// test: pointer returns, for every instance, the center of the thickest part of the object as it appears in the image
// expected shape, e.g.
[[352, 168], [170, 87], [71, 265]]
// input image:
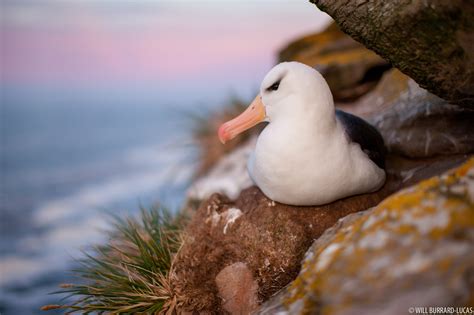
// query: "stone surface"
[[349, 68], [414, 249], [431, 41], [388, 91], [237, 288], [228, 176], [414, 122]]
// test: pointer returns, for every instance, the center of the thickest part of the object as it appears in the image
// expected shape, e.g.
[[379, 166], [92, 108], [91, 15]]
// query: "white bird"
[[309, 153]]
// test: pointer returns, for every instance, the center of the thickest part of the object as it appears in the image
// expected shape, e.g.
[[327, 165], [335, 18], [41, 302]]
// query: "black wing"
[[366, 135]]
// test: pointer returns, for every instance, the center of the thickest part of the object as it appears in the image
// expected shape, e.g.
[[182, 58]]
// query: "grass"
[[131, 272]]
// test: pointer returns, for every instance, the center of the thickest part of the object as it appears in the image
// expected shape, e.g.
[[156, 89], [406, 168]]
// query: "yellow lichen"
[[427, 212]]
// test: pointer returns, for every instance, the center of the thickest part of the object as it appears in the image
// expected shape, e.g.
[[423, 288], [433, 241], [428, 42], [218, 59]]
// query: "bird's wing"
[[366, 135]]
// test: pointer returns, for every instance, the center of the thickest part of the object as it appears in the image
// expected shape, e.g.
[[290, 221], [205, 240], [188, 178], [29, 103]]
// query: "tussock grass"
[[131, 272]]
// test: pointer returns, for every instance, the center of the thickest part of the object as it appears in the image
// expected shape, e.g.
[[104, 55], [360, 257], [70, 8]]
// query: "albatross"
[[309, 153]]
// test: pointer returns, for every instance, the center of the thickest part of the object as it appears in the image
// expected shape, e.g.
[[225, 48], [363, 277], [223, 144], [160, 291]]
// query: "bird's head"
[[290, 90]]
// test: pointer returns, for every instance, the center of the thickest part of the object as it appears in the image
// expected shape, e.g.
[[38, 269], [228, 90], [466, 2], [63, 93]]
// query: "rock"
[[228, 176], [412, 171], [431, 41], [414, 249], [237, 288], [349, 68], [414, 122], [388, 91]]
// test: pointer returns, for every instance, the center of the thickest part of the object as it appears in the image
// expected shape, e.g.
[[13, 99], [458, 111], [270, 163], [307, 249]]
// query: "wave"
[[74, 221]]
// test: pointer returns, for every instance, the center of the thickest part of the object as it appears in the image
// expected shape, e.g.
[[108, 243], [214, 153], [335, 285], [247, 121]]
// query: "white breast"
[[310, 168]]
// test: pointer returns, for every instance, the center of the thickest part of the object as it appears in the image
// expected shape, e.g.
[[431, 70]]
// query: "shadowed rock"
[[431, 41], [349, 68], [414, 122]]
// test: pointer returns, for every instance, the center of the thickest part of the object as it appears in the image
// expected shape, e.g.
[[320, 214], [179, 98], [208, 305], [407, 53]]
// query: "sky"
[[114, 42]]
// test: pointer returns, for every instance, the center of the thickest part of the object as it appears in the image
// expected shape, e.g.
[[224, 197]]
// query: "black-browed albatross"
[[309, 153]]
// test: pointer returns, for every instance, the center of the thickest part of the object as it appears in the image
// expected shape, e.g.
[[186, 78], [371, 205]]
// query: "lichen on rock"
[[349, 68], [431, 41], [416, 248]]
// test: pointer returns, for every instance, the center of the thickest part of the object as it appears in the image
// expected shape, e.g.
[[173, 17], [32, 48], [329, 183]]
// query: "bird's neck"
[[315, 119]]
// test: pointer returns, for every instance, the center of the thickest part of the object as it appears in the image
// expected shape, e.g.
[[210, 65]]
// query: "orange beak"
[[254, 114]]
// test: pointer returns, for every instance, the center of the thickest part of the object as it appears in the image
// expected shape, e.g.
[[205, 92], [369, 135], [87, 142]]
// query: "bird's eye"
[[274, 86]]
